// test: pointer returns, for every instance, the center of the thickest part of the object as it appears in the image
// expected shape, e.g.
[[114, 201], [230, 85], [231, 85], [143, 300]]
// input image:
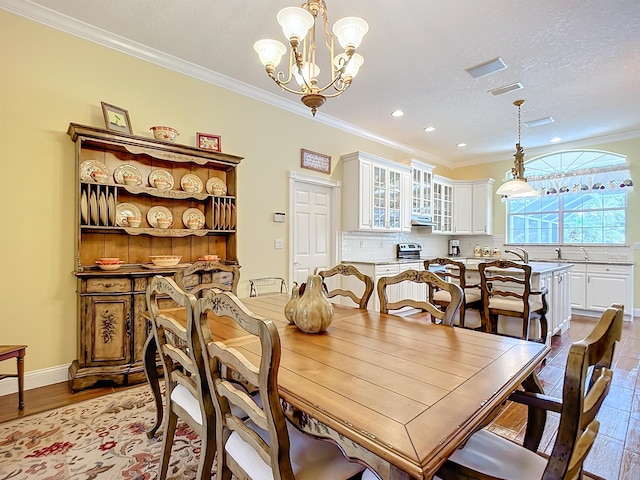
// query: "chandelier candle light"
[[296, 23], [518, 187]]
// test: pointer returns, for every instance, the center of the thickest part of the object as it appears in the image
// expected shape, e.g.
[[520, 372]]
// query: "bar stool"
[[17, 352]]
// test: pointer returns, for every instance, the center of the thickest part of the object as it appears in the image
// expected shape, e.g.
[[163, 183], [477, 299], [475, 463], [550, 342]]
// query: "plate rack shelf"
[[112, 329]]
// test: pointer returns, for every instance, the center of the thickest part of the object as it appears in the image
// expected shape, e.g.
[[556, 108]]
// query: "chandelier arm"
[[290, 90]]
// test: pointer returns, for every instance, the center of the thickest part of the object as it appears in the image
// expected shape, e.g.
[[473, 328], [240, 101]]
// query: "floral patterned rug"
[[104, 438]]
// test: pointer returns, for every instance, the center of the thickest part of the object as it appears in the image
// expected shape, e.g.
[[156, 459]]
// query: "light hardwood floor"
[[616, 454]]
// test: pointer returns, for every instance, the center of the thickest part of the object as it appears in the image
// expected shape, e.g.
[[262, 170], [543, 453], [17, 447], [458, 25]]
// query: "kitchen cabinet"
[[607, 284], [473, 207], [560, 302], [421, 188], [376, 194], [110, 306], [579, 286], [442, 205]]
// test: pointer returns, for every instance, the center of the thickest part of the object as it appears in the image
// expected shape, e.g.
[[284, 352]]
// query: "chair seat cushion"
[[470, 295], [181, 396], [514, 304], [311, 459], [493, 455]]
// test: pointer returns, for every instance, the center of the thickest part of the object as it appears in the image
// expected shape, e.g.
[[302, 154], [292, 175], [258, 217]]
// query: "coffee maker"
[[454, 248]]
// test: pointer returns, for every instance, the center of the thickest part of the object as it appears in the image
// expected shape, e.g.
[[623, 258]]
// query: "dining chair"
[[211, 274], [187, 392], [265, 446], [455, 272], [264, 285], [587, 380], [430, 279], [17, 352], [506, 291], [350, 271]]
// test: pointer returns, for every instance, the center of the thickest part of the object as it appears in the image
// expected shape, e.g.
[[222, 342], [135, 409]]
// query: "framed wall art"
[[208, 141], [116, 118], [315, 161]]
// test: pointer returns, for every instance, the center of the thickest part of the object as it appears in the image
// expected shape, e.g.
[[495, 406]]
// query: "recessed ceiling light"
[[397, 113], [555, 140], [429, 129], [486, 68], [538, 122], [461, 145], [506, 89]]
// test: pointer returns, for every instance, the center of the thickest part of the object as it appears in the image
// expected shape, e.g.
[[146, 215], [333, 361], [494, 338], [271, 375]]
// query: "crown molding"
[[64, 23]]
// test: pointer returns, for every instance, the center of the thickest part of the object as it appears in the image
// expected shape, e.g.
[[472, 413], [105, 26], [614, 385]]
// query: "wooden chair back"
[[212, 275], [184, 372], [506, 290], [455, 272], [431, 280], [349, 270], [586, 383], [229, 399]]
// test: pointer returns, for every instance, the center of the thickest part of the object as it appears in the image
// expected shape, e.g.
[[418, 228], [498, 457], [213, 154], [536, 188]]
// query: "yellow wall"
[[50, 79]]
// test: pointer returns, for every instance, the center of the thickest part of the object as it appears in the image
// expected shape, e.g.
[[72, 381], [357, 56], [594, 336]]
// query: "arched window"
[[583, 200]]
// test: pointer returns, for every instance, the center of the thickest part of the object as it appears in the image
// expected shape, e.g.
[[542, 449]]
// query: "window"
[[583, 200]]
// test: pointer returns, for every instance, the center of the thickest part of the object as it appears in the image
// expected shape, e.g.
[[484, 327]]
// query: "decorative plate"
[[111, 204], [155, 213], [233, 216], [124, 210], [216, 215], [215, 186], [93, 208], [223, 213], [102, 207], [122, 170], [160, 175], [193, 214], [191, 178], [84, 207], [89, 166]]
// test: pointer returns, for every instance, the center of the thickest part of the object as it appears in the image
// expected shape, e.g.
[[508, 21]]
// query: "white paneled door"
[[313, 230]]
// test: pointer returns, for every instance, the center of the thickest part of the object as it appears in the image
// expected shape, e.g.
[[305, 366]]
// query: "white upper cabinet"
[[442, 205], [473, 207], [376, 193], [421, 188]]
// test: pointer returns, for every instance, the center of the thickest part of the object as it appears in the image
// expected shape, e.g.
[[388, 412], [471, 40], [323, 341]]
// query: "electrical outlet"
[[278, 243], [636, 245]]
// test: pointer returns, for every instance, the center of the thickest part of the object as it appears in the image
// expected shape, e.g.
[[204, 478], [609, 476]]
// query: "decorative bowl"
[[209, 258], [108, 260], [165, 260], [109, 265], [167, 134]]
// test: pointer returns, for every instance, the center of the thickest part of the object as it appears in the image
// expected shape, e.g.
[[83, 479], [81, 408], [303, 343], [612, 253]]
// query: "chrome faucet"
[[522, 255], [586, 255], [559, 252]]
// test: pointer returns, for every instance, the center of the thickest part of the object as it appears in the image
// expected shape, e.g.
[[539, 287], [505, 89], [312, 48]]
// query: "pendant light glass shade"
[[352, 67], [517, 189], [350, 31], [269, 52], [295, 22]]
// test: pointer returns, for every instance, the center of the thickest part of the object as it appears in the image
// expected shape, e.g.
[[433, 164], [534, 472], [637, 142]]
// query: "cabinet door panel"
[[603, 290], [109, 328], [578, 290], [462, 209]]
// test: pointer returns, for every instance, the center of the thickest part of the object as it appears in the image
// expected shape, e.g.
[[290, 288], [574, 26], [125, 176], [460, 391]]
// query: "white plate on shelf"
[[111, 204], [193, 214], [93, 208], [122, 170], [102, 208], [155, 213], [84, 207], [192, 178], [124, 210], [215, 186], [89, 166], [160, 175]]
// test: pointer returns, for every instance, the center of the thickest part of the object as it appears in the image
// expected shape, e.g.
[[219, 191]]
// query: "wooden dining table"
[[398, 393]]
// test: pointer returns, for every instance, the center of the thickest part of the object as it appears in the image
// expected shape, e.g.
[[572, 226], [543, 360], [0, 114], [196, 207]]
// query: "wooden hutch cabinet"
[[111, 304]]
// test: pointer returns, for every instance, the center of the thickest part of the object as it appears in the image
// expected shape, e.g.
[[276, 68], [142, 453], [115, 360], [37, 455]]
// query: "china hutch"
[[124, 180]]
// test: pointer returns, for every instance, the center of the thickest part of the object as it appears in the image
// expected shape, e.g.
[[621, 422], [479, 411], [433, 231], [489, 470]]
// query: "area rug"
[[104, 438]]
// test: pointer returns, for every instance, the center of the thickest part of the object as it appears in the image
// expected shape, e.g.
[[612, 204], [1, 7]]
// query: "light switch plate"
[[278, 243]]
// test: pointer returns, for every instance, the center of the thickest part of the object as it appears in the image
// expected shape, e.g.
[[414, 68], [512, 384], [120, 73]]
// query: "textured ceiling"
[[578, 60]]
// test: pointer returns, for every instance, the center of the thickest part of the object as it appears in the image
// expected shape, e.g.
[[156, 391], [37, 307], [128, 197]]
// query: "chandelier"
[[296, 23], [518, 187]]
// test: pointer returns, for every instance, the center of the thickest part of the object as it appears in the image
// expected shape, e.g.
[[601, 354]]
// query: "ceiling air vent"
[[486, 68], [538, 122], [506, 89]]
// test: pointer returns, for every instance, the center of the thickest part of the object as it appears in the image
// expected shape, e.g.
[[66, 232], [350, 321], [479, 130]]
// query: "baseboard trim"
[[35, 379]]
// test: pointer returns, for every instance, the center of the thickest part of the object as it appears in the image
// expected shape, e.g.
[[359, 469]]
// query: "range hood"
[[422, 220]]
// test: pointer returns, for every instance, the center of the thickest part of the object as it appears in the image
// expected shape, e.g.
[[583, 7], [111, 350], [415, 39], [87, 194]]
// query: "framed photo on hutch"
[[116, 118], [208, 141], [315, 161]]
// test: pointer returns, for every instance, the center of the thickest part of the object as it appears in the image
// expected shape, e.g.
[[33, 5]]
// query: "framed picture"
[[315, 161], [208, 142], [116, 118]]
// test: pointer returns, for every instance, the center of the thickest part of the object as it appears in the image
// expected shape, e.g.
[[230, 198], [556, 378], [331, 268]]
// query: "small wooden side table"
[[17, 352]]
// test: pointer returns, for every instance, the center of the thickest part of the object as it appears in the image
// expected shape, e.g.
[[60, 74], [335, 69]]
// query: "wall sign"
[[315, 161]]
